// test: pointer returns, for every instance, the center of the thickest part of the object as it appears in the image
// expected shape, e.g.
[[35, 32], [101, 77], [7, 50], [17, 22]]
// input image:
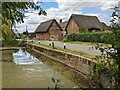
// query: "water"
[[20, 69]]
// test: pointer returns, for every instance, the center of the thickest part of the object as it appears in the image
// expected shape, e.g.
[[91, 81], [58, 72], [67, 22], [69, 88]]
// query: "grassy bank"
[[89, 43]]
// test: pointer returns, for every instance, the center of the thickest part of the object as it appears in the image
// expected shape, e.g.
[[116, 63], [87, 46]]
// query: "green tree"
[[25, 33], [6, 31], [112, 61], [116, 42], [14, 12]]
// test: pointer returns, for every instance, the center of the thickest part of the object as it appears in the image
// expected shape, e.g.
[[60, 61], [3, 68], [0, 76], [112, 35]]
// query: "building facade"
[[49, 30], [80, 23]]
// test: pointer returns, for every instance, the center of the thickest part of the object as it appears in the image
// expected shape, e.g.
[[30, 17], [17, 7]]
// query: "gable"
[[85, 22], [88, 22], [72, 26], [45, 26]]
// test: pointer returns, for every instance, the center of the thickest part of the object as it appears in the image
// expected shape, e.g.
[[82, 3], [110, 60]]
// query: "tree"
[[112, 61], [14, 12], [25, 33], [6, 31], [116, 41]]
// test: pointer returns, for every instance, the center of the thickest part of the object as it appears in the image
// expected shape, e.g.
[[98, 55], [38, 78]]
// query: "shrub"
[[22, 43], [101, 37], [9, 43]]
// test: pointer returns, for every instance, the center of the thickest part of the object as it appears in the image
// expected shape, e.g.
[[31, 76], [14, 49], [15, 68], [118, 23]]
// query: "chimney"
[[60, 21]]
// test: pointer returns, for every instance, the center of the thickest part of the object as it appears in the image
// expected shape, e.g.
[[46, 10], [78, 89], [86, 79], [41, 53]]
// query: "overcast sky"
[[62, 9]]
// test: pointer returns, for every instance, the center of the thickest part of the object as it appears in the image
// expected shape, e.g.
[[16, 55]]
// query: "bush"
[[101, 37], [22, 43], [9, 43]]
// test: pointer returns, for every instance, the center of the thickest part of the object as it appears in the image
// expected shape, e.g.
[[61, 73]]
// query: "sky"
[[62, 9]]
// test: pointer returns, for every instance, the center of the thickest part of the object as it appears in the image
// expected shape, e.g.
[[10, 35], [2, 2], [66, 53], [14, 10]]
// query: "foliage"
[[17, 36], [14, 11], [112, 58], [56, 83], [101, 37], [115, 53], [12, 43], [107, 67], [32, 35], [22, 43], [1, 37], [9, 43], [25, 33], [6, 31], [23, 36]]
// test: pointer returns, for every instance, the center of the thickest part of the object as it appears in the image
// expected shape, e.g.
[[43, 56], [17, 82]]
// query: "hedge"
[[97, 37], [9, 43], [12, 43]]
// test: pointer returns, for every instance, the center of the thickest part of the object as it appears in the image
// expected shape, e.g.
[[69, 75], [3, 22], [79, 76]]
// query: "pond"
[[23, 69]]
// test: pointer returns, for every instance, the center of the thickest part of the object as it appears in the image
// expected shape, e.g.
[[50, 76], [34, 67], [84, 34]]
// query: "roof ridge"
[[85, 21], [44, 26], [82, 15], [47, 21]]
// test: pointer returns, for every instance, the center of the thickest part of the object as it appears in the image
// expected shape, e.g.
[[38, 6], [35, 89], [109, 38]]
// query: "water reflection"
[[22, 58], [27, 71]]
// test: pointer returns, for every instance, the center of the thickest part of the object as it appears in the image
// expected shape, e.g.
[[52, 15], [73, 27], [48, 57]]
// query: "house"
[[63, 26], [78, 23], [49, 30]]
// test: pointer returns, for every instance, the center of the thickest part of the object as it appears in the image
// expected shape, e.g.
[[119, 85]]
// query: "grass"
[[83, 43], [68, 51], [89, 43]]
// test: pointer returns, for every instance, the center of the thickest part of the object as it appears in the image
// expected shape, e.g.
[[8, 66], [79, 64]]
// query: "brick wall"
[[54, 32], [72, 27], [42, 36]]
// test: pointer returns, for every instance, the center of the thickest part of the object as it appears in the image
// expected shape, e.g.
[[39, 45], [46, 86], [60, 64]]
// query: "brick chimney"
[[60, 21]]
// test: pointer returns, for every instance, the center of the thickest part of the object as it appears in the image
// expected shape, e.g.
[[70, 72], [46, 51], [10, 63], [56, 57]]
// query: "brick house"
[[49, 30], [78, 23]]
